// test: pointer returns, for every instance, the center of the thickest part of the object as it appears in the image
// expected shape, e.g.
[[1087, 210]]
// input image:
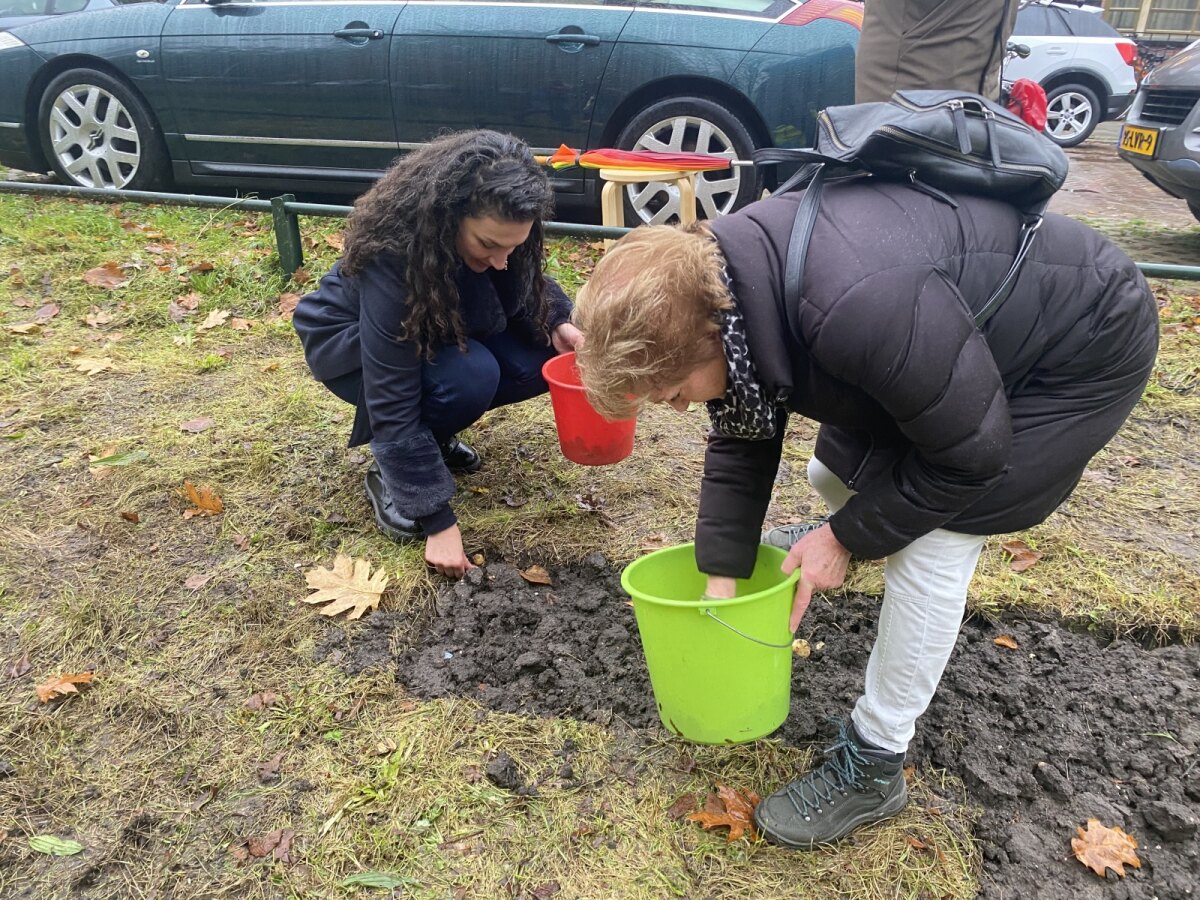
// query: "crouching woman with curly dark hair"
[[437, 312]]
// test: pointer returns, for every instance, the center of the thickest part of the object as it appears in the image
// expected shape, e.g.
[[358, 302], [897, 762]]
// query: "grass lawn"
[[208, 723]]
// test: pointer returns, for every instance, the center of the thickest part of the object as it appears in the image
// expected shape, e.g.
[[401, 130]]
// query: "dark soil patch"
[[1063, 729]]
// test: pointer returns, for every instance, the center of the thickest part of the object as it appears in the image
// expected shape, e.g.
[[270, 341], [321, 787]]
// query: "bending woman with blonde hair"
[[934, 433]]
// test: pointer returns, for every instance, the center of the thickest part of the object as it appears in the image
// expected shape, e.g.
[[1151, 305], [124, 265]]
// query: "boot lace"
[[842, 769], [791, 534]]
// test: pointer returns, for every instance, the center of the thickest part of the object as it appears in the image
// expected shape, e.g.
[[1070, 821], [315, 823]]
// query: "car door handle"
[[587, 40], [372, 34]]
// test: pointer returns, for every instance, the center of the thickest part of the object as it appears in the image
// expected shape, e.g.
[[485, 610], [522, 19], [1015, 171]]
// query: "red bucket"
[[584, 436]]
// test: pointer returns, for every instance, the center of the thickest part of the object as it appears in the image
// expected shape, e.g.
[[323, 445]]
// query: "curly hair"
[[413, 212], [651, 312]]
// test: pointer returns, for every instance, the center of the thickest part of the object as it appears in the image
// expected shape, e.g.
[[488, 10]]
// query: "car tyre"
[[1072, 114], [689, 124], [98, 133]]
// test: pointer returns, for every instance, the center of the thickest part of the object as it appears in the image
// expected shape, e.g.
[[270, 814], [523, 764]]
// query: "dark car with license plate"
[[324, 94], [1161, 134]]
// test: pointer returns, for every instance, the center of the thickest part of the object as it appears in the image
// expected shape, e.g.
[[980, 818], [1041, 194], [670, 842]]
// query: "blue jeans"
[[457, 388]]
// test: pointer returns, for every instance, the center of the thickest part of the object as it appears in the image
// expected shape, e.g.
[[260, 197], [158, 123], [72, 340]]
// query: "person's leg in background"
[[932, 44], [925, 593]]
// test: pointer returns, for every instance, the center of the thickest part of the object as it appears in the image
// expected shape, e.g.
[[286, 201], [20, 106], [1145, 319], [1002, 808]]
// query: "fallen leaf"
[[1007, 640], [347, 586], [92, 366], [97, 317], [537, 575], [268, 772], [206, 798], [46, 313], [195, 582], [54, 846], [160, 249], [260, 701], [62, 685], [110, 457], [215, 319], [241, 541], [287, 304], [201, 267], [801, 649], [205, 501], [336, 241], [195, 426], [20, 667], [24, 328], [684, 804], [549, 889], [130, 516], [301, 276], [276, 844], [384, 747], [915, 843], [1101, 847], [1023, 556], [382, 880], [109, 276], [729, 808], [241, 324], [23, 303]]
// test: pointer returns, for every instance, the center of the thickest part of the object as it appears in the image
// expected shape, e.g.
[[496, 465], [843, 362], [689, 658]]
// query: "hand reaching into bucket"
[[822, 561], [566, 337]]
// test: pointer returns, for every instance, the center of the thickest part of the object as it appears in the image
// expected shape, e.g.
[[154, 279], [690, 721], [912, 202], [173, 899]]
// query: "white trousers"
[[924, 596]]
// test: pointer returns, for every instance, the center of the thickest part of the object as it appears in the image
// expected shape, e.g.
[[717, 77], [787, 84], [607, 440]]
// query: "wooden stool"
[[612, 206]]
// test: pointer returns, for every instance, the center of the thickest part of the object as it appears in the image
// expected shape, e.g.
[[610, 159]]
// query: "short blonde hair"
[[650, 315]]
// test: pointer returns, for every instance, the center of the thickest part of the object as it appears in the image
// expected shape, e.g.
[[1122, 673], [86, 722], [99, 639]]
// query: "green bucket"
[[721, 669]]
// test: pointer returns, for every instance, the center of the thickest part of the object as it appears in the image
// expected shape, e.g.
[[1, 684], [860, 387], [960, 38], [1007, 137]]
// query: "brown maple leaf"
[[349, 585], [287, 304], [1023, 556], [62, 685], [205, 501], [215, 319], [110, 276], [729, 808], [1101, 847], [537, 575], [92, 365]]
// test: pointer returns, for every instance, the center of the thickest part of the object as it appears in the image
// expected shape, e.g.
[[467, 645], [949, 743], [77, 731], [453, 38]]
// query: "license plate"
[[1142, 141]]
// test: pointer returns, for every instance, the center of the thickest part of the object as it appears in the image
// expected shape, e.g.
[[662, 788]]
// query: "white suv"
[[1084, 64]]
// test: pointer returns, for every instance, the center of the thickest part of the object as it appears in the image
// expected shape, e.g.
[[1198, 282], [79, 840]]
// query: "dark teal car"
[[323, 94]]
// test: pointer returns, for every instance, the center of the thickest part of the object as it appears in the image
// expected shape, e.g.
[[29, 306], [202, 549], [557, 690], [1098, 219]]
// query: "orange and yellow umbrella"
[[565, 157]]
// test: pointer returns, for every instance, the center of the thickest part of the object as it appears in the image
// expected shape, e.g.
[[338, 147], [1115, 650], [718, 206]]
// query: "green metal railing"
[[286, 211]]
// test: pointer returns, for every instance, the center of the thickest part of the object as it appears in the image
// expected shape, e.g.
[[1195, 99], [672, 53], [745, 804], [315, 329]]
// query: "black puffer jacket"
[[933, 423]]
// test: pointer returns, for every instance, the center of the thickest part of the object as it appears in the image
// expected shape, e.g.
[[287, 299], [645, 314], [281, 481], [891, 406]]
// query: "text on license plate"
[[1142, 141]]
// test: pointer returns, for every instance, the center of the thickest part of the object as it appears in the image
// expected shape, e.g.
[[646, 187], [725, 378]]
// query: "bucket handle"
[[712, 615]]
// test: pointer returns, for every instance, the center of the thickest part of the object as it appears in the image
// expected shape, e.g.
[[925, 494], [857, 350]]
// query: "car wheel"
[[1072, 114], [98, 133], [689, 125]]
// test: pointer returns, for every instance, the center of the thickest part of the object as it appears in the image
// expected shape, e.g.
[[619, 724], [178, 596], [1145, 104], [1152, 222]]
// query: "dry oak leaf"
[[1101, 847], [205, 501], [260, 701], [1007, 640], [349, 585], [1023, 556], [110, 276], [215, 319], [62, 685], [729, 808], [46, 313], [241, 324], [287, 304], [90, 365], [537, 575], [97, 317]]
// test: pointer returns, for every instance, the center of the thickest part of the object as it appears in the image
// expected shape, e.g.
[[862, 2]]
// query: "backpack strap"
[[1029, 230], [797, 253]]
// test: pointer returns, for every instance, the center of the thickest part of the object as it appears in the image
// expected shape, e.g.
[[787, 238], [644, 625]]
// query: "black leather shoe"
[[459, 457], [387, 518]]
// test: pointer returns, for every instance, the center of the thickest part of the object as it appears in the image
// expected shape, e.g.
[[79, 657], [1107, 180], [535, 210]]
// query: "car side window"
[[1085, 24], [23, 7], [69, 6], [1032, 21]]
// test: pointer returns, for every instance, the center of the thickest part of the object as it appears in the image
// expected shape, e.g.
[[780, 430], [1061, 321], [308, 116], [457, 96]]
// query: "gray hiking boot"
[[854, 786], [785, 536]]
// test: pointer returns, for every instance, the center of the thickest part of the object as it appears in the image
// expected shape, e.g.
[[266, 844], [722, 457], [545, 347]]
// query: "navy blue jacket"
[[351, 323]]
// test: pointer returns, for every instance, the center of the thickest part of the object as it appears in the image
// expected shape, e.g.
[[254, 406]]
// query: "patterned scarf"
[[745, 411]]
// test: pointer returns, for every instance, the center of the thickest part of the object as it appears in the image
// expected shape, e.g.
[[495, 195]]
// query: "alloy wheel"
[[656, 202], [1069, 115], [94, 137]]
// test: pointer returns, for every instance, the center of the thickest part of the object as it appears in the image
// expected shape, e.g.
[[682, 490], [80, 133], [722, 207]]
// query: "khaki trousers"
[[934, 44]]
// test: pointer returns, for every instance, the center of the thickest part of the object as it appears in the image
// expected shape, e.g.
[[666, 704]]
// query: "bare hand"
[[822, 561], [566, 337], [444, 551]]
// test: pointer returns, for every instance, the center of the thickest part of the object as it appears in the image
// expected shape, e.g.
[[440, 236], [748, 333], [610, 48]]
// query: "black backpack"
[[939, 142]]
